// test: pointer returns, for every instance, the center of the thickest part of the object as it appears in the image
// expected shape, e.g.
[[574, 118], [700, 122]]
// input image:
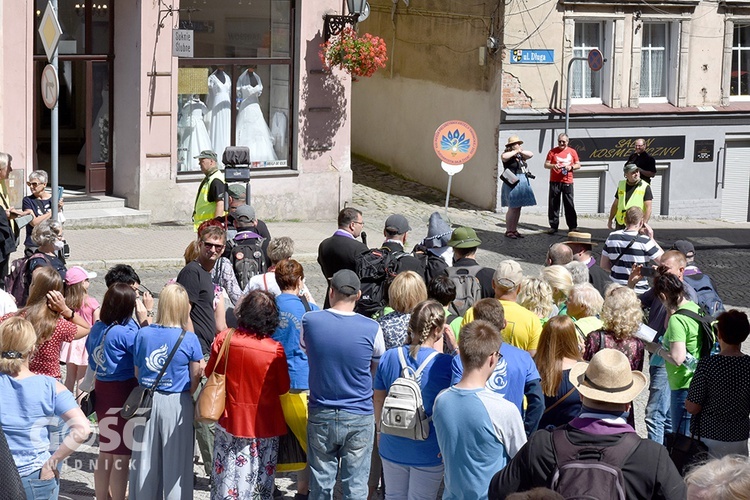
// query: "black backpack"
[[376, 269], [247, 257], [468, 288], [432, 264], [591, 471], [708, 299], [18, 280], [706, 330]]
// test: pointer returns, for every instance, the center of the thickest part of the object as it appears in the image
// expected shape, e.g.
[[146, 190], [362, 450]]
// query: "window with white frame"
[[740, 77], [654, 59], [586, 84]]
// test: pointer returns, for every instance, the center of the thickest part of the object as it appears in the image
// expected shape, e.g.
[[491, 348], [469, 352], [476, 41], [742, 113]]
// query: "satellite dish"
[[365, 12]]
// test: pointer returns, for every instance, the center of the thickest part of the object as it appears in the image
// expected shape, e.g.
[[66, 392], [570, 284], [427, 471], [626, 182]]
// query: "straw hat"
[[514, 139], [579, 238], [607, 378]]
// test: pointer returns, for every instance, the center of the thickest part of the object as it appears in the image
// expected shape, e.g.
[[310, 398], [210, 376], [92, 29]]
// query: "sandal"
[[511, 235], [519, 235]]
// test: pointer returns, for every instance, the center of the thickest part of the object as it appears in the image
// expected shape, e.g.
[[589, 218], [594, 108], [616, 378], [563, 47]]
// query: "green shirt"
[[682, 329]]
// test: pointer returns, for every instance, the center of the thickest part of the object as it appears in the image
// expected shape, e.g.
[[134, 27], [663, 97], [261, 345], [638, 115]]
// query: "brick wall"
[[513, 95]]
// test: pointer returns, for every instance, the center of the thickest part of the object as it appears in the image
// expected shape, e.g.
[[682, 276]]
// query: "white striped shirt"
[[623, 257]]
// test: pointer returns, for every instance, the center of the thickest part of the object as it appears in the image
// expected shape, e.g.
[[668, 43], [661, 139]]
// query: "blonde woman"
[[584, 306], [162, 464], [28, 403], [557, 353], [406, 291], [561, 282], [622, 317], [536, 296], [414, 469]]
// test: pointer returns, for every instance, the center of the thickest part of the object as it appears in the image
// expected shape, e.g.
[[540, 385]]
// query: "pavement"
[[156, 252]]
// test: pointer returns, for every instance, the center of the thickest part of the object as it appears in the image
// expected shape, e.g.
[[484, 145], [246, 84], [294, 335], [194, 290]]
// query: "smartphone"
[[60, 190], [647, 271]]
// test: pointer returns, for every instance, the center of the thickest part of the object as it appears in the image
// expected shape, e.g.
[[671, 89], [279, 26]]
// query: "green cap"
[[207, 153], [464, 237]]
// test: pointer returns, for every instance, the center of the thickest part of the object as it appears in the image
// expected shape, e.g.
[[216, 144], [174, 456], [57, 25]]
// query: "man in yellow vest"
[[209, 202], [631, 192]]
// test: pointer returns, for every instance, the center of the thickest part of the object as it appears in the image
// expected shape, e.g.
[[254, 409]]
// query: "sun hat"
[[77, 274], [438, 232], [464, 237], [579, 238], [513, 139], [607, 378]]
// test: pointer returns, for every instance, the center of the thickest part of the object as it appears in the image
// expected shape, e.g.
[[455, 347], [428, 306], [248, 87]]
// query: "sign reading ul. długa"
[[532, 56]]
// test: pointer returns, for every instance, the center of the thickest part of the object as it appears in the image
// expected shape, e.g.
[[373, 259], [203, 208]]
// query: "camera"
[[529, 175]]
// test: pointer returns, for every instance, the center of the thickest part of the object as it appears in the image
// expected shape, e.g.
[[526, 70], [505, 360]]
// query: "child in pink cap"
[[74, 354]]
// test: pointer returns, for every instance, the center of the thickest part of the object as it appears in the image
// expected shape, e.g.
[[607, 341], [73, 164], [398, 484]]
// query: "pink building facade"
[[132, 115]]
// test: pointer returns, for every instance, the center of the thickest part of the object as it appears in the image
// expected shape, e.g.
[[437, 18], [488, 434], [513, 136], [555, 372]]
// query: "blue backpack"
[[708, 299]]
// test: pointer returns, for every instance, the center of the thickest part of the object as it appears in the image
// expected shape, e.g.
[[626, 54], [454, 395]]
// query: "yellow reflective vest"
[[204, 209], [635, 200]]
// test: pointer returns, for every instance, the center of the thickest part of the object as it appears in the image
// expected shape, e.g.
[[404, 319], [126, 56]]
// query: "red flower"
[[359, 56]]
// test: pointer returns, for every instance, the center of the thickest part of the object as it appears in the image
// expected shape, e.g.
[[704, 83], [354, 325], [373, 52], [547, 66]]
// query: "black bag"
[[247, 257], [87, 402], [509, 178], [685, 451], [290, 450], [376, 268], [140, 400], [706, 330], [591, 470]]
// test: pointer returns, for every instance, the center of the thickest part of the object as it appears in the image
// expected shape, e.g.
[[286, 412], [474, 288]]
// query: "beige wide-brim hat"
[[607, 378], [514, 139], [580, 238]]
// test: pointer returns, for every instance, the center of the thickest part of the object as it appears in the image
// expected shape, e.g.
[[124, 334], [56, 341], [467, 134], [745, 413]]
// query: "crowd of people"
[[485, 383]]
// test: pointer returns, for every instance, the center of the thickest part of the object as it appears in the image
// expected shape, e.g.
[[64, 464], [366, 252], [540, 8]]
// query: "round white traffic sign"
[[50, 86]]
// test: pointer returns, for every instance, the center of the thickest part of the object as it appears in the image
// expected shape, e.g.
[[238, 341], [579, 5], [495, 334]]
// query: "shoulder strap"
[[166, 363], [420, 369], [616, 454], [690, 314], [424, 364], [225, 347], [622, 252], [304, 302], [550, 408]]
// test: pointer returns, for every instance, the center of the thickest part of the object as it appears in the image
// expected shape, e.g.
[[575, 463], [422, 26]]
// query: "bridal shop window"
[[236, 90]]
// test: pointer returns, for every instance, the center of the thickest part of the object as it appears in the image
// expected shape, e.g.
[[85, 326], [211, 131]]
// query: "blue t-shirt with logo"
[[513, 371], [435, 377], [291, 309], [113, 359], [153, 344]]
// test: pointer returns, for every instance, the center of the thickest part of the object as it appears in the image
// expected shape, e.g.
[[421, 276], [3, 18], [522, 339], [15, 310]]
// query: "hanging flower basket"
[[358, 56]]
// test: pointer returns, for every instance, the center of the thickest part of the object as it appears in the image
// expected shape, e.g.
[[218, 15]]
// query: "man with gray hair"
[[522, 327], [561, 162], [558, 254]]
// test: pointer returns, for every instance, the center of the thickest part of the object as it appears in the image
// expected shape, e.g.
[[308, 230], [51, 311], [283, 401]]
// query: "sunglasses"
[[214, 246], [33, 184]]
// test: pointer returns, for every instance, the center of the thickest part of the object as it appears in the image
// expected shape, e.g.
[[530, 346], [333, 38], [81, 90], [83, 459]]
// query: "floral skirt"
[[244, 468], [520, 195]]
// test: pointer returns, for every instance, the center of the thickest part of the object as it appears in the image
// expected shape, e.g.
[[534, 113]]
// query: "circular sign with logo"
[[455, 142]]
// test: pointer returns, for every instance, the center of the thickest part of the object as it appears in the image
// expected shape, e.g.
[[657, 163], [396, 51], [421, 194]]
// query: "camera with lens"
[[529, 175]]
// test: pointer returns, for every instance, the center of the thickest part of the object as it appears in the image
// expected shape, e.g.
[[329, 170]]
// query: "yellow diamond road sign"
[[50, 31]]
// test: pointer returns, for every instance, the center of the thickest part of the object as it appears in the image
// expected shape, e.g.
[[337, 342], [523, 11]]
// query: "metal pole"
[[567, 100], [55, 136], [448, 194]]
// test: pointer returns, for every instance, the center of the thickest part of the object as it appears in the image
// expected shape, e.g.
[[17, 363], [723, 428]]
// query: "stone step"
[[85, 202], [106, 217]]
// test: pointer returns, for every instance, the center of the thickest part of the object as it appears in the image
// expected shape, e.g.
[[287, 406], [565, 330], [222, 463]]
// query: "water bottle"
[[690, 362]]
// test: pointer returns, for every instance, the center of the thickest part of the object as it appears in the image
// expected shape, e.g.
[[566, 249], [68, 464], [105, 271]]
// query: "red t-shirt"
[[46, 360], [566, 157]]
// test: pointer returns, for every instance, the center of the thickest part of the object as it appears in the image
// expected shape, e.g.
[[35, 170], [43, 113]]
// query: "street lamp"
[[335, 24]]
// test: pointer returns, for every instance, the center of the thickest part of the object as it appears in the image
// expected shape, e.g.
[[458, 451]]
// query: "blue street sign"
[[532, 56]]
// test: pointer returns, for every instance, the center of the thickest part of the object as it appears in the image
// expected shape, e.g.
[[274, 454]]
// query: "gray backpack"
[[403, 410], [468, 288]]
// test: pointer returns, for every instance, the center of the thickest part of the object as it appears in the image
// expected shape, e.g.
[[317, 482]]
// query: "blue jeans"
[[658, 421], [335, 436], [680, 416], [37, 489]]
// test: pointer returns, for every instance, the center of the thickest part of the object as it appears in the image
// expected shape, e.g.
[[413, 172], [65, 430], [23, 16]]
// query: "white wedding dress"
[[193, 134], [252, 129], [219, 118]]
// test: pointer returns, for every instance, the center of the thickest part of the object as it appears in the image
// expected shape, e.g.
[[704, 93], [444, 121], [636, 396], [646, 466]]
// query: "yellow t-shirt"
[[522, 328]]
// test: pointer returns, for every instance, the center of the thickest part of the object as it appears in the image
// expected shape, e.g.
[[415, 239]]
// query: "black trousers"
[[559, 190]]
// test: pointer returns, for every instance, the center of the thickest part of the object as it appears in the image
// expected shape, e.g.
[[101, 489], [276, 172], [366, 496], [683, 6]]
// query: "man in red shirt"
[[561, 161]]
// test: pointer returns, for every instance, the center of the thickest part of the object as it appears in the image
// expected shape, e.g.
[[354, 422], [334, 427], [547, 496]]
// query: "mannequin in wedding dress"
[[219, 118], [252, 129], [193, 134]]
